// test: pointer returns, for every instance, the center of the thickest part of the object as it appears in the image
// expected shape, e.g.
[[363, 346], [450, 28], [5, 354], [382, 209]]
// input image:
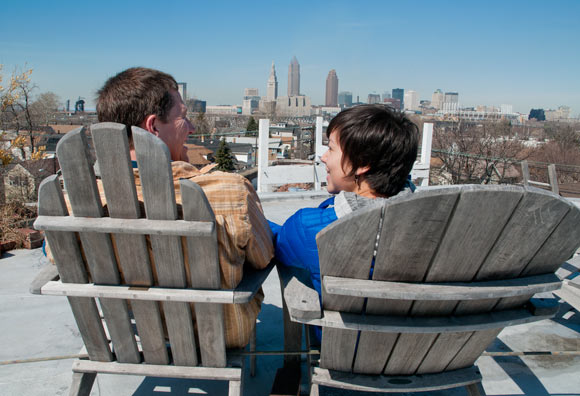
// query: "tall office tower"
[[411, 100], [451, 101], [332, 89], [251, 92], [386, 95], [345, 99], [437, 99], [374, 99], [294, 78], [399, 93], [272, 88], [182, 89]]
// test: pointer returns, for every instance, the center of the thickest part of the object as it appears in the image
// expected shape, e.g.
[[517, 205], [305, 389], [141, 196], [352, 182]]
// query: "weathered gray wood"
[[570, 294], [525, 172], [443, 350], [302, 301], [124, 226], [150, 330], [151, 370], [82, 383], [156, 177], [85, 201], [292, 330], [533, 221], [371, 383], [441, 291], [373, 350], [560, 246], [47, 274], [475, 390], [68, 259], [251, 283], [473, 348], [56, 288], [408, 353], [553, 177], [337, 349], [345, 248], [205, 273], [421, 324]]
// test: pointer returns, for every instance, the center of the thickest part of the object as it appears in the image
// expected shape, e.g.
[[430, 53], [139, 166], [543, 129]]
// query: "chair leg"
[[314, 390], [309, 356], [253, 358], [82, 384], [475, 389], [236, 388]]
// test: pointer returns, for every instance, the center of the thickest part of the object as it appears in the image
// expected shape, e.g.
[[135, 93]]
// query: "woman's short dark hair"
[[378, 137], [133, 94]]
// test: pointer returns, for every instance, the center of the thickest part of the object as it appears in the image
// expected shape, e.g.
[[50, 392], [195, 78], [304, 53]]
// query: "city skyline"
[[522, 53]]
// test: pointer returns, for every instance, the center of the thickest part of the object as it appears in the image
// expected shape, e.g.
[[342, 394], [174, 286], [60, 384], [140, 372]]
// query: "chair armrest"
[[251, 283], [47, 273], [302, 301], [543, 304]]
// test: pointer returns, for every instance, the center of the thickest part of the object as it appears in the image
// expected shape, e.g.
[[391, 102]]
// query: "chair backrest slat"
[[84, 198], [68, 259], [204, 272], [154, 164]]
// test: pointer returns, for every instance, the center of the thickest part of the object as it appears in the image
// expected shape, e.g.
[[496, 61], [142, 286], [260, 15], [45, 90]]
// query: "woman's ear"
[[149, 124], [362, 170]]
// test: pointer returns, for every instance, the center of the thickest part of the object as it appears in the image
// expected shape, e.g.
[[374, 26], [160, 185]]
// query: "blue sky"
[[524, 53]]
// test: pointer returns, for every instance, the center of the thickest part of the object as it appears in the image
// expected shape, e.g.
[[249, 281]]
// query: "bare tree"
[[475, 153]]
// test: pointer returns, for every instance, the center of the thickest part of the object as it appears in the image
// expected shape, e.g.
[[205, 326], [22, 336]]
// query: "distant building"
[[393, 103], [386, 95], [182, 89], [437, 99], [223, 109], [293, 106], [411, 100], [251, 101], [451, 101], [196, 106], [399, 93], [562, 113], [331, 89], [294, 78], [80, 106], [345, 99], [251, 92], [272, 86], [374, 99]]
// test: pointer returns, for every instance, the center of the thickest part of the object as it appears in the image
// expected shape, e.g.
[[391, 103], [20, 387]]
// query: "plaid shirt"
[[243, 237]]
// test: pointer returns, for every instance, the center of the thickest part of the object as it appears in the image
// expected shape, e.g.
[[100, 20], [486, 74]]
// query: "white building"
[[437, 99], [293, 106], [411, 100], [222, 109]]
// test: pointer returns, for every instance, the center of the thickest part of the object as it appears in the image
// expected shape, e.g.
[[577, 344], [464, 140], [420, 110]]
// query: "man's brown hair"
[[130, 96]]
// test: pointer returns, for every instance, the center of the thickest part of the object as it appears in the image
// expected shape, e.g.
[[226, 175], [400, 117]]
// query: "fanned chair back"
[[477, 235], [113, 241]]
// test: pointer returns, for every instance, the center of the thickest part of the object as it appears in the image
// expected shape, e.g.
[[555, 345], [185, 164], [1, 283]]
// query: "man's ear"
[[149, 124]]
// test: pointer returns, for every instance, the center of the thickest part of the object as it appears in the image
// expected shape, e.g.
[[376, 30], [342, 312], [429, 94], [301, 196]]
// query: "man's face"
[[336, 177], [174, 132]]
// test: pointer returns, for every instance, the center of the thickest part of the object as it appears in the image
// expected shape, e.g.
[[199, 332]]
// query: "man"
[[149, 99]]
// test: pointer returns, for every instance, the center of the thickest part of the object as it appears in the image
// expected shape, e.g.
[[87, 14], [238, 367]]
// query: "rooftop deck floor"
[[34, 327]]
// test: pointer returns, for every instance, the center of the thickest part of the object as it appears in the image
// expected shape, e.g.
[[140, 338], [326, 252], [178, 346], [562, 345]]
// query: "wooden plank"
[[47, 274], [68, 259], [84, 197], [204, 273], [82, 383], [436, 324], [156, 177], [441, 291], [150, 370], [473, 348], [56, 288], [560, 246], [293, 330], [408, 353], [442, 351], [337, 349], [125, 226], [373, 350], [251, 283], [532, 223], [373, 383], [303, 302], [150, 330], [345, 248]]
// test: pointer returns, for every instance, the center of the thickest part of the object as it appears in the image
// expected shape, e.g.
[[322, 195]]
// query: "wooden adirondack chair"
[[190, 350], [452, 267]]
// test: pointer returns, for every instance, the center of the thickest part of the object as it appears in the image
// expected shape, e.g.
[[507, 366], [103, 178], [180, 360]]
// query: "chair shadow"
[[270, 336]]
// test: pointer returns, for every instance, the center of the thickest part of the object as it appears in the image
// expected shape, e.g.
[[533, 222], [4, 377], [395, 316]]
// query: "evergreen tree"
[[224, 157], [252, 126]]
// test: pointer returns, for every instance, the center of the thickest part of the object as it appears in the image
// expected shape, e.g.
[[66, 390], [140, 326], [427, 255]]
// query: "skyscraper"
[[294, 78], [437, 99], [411, 100], [399, 93], [332, 89], [272, 88]]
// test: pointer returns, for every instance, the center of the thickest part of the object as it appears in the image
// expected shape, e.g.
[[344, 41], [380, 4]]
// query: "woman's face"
[[336, 179]]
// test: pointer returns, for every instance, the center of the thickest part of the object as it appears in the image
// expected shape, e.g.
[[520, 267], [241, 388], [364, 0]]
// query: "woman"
[[371, 151]]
